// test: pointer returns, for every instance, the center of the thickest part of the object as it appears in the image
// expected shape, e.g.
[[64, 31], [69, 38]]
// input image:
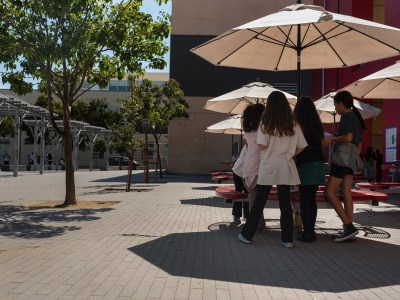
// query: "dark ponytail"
[[347, 99]]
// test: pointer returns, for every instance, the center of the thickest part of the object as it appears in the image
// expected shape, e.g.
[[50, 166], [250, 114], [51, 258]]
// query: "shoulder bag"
[[346, 155]]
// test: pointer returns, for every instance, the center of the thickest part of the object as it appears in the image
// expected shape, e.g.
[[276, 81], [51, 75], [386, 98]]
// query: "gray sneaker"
[[349, 232]]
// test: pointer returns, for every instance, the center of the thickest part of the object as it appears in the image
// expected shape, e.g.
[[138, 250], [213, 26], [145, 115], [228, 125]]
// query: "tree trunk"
[[70, 196], [146, 159], [130, 166], [159, 158]]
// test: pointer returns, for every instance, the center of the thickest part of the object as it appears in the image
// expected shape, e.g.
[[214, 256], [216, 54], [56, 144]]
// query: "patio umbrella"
[[384, 84], [236, 101], [231, 125], [301, 37], [327, 113]]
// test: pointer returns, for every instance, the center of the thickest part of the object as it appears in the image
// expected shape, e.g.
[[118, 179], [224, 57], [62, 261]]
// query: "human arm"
[[346, 138]]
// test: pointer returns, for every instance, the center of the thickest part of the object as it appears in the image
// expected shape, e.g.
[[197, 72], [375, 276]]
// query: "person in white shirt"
[[279, 139]]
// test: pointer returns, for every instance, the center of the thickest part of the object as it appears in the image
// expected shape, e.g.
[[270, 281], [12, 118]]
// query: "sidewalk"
[[176, 242]]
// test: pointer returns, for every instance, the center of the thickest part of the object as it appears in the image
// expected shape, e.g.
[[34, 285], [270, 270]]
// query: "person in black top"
[[378, 165], [310, 165], [349, 131]]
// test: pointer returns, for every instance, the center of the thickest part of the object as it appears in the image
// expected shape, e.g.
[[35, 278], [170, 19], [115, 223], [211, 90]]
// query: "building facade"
[[197, 21]]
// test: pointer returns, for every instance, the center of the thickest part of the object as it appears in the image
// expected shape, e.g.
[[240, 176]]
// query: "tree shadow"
[[21, 222], [322, 266]]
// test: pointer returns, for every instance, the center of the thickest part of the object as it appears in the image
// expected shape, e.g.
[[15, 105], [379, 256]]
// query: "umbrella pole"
[[298, 59]]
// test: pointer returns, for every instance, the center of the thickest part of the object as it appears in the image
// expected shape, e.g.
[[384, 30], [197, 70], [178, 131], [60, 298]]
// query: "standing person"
[[310, 165], [378, 165], [349, 131], [279, 140], [6, 159], [239, 187], [369, 163], [250, 122]]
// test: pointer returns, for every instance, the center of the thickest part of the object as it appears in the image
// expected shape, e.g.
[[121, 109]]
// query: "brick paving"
[[176, 242]]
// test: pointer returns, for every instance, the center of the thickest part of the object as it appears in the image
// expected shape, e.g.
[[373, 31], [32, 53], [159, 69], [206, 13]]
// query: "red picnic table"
[[394, 169], [228, 193], [373, 186]]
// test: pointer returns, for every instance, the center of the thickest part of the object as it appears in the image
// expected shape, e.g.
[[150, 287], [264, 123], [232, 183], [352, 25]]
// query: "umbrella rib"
[[319, 39], [367, 35], [272, 40], [241, 46], [329, 44], [284, 45], [373, 88], [214, 39]]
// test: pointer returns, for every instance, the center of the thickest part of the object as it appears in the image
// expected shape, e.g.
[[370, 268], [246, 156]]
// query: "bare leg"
[[345, 191], [330, 194]]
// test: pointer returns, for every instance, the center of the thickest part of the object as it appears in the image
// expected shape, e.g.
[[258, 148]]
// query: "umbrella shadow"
[[322, 266], [139, 178], [210, 201], [18, 221]]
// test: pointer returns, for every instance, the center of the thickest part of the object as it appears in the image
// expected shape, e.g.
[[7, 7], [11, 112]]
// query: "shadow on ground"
[[320, 266], [138, 178], [211, 201], [18, 221]]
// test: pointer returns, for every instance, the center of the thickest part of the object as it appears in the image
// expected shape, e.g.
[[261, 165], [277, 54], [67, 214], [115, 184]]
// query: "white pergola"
[[39, 123], [14, 107]]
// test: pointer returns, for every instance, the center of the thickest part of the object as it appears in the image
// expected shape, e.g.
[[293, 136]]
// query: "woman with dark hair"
[[349, 131], [279, 140], [250, 122], [310, 165]]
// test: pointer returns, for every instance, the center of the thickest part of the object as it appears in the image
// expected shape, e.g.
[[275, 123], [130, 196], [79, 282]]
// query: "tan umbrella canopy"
[[302, 37], [327, 113], [384, 84], [236, 101], [231, 125]]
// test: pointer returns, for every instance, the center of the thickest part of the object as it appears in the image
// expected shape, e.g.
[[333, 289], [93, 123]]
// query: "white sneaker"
[[287, 245], [243, 240]]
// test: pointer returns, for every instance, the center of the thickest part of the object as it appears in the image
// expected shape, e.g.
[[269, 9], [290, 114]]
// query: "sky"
[[149, 6]]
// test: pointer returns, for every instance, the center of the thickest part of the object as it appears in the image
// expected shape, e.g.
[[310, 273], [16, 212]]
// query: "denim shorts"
[[339, 171]]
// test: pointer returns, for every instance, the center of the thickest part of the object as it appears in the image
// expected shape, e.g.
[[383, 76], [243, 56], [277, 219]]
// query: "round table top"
[[390, 166]]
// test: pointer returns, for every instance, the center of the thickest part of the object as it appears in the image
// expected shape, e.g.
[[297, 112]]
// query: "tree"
[[64, 44], [167, 105], [125, 136], [155, 106]]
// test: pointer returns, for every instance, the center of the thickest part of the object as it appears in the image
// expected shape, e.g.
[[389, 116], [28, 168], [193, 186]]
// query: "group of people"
[[285, 149]]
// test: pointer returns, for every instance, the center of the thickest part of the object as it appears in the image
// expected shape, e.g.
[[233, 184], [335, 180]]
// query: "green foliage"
[[96, 112], [7, 127], [57, 105], [64, 43]]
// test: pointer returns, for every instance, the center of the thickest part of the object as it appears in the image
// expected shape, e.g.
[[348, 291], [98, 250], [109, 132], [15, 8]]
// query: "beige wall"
[[193, 151], [213, 17]]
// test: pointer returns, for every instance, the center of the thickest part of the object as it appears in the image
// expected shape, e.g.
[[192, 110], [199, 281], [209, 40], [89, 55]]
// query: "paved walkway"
[[176, 242]]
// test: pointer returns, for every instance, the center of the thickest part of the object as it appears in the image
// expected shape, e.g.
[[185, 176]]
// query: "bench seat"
[[229, 194], [220, 178]]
